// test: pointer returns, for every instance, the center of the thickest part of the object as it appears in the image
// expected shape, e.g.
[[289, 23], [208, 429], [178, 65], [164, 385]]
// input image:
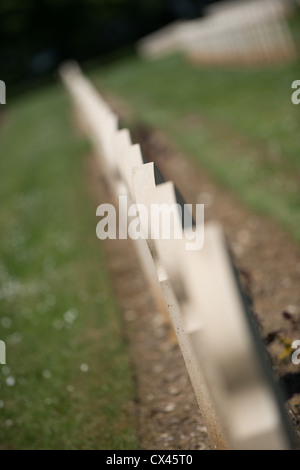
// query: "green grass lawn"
[[67, 383], [240, 124]]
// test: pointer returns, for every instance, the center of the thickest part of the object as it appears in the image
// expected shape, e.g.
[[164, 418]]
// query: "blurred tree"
[[35, 35]]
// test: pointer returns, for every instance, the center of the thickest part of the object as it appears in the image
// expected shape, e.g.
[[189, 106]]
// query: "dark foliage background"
[[36, 35]]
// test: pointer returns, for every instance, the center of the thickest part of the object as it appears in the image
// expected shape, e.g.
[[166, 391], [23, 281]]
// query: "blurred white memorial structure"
[[250, 32]]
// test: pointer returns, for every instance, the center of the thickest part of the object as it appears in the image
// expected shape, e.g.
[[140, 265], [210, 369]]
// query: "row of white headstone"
[[198, 290], [238, 32]]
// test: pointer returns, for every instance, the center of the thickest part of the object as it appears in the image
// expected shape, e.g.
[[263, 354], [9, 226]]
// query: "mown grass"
[[67, 383], [238, 123]]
